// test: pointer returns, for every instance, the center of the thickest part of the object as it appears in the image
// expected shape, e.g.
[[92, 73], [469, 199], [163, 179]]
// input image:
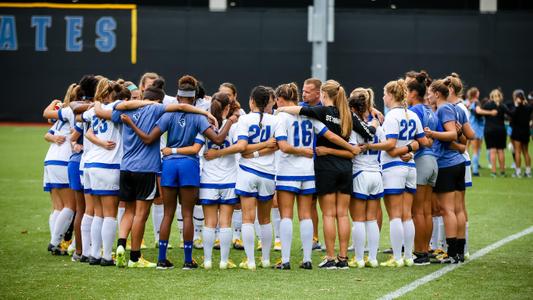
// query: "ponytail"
[[338, 96], [260, 96]]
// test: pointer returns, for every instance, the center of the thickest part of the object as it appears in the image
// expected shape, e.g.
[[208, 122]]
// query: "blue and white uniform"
[[74, 162], [463, 116], [86, 117], [367, 179], [102, 166], [425, 159], [399, 176], [255, 176], [217, 181], [57, 158], [296, 173]]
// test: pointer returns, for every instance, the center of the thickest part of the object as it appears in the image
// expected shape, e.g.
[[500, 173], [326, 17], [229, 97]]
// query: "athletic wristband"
[[174, 151], [256, 154], [409, 148]]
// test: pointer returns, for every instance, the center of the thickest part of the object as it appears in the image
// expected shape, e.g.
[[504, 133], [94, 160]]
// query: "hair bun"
[[187, 79], [158, 83]]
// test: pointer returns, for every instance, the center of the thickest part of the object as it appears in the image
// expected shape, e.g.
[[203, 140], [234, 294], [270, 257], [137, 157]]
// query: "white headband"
[[186, 94]]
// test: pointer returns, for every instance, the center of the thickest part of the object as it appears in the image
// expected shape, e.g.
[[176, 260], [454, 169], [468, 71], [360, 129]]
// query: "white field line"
[[428, 278]]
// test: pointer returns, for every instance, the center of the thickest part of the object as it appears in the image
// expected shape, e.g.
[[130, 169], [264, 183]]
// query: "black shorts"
[[450, 179], [138, 186], [327, 182], [496, 138]]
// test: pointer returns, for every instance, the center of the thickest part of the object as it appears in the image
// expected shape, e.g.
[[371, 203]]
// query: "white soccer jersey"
[[248, 129], [370, 159], [63, 126], [106, 130], [404, 126], [299, 132], [222, 169]]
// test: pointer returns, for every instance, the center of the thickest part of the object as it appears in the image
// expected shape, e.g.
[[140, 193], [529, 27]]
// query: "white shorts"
[[367, 185], [299, 187], [468, 174], [101, 182], [55, 175], [399, 179], [216, 193], [258, 185]]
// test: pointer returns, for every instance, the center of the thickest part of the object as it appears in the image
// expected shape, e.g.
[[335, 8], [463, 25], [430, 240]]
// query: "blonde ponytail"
[[338, 96]]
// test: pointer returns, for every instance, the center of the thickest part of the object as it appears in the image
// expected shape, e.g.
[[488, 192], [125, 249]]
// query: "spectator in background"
[[478, 124], [520, 120], [494, 132]]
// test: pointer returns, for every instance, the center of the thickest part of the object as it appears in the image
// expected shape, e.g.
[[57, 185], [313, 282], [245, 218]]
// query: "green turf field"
[[497, 207]]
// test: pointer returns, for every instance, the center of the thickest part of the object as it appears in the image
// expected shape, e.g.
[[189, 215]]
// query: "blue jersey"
[[445, 156], [305, 104], [428, 119], [139, 157], [182, 130], [76, 156]]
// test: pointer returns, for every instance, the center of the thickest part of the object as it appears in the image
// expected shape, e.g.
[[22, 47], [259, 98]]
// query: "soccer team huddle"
[[118, 149]]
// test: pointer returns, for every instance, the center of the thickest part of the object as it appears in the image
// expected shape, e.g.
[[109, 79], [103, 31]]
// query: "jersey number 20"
[[262, 133]]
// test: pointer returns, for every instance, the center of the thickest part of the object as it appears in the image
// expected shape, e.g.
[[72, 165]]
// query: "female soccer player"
[[495, 133], [521, 117], [403, 129], [333, 169], [180, 172], [477, 122]]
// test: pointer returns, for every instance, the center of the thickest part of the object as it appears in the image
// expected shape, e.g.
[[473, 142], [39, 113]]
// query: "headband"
[[187, 94], [132, 87]]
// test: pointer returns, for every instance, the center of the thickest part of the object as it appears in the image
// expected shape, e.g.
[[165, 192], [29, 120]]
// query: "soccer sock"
[[285, 228], [96, 236], [236, 219], [52, 221], [120, 214], [266, 240], [257, 228], [86, 223], [442, 235], [122, 242], [135, 255], [528, 170], [372, 235], [225, 243], [198, 221], [163, 244], [187, 250], [452, 246], [248, 241], [475, 163], [408, 238], [217, 232], [433, 244], [109, 231], [396, 237], [179, 218], [209, 240], [61, 225], [276, 219], [466, 239], [157, 218], [359, 238], [460, 246], [306, 235]]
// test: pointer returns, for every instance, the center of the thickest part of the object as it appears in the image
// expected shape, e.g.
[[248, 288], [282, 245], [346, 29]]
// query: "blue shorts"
[[180, 172], [74, 180], [478, 128]]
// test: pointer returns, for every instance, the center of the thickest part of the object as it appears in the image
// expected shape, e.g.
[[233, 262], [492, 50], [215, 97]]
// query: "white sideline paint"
[[415, 284]]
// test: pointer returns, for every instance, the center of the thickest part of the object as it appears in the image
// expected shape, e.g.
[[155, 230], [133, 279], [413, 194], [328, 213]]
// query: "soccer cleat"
[[372, 263], [141, 263], [216, 246], [435, 253], [408, 262], [198, 244], [84, 259], [528, 175], [259, 246], [247, 266], [56, 250], [441, 257], [71, 249], [393, 263], [93, 261], [356, 263], [265, 264], [282, 266], [237, 244], [121, 257], [450, 260], [208, 265], [64, 246], [352, 263], [164, 265], [190, 265], [227, 265], [76, 257], [316, 245], [307, 265], [467, 256], [277, 245], [460, 258], [107, 263], [342, 264], [422, 259], [328, 264]]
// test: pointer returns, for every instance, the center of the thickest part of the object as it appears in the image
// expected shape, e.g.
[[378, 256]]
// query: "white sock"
[[120, 214], [408, 238], [86, 223], [372, 235], [528, 170], [359, 239], [52, 220], [198, 221], [266, 240], [276, 219], [306, 235], [396, 237], [109, 232], [257, 229], [285, 228], [209, 241], [236, 219], [442, 234], [433, 244], [96, 236], [62, 223], [225, 243], [248, 241], [466, 238], [157, 217], [179, 217]]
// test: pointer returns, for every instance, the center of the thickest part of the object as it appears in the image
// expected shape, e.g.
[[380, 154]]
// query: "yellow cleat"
[[207, 264], [237, 244], [142, 263], [217, 244], [409, 262], [227, 265], [120, 257], [259, 246], [393, 263], [352, 263], [63, 246], [247, 266], [372, 263], [277, 245], [198, 244]]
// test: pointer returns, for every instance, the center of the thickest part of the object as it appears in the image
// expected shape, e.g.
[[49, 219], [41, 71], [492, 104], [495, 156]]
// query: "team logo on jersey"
[[182, 122], [136, 117]]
